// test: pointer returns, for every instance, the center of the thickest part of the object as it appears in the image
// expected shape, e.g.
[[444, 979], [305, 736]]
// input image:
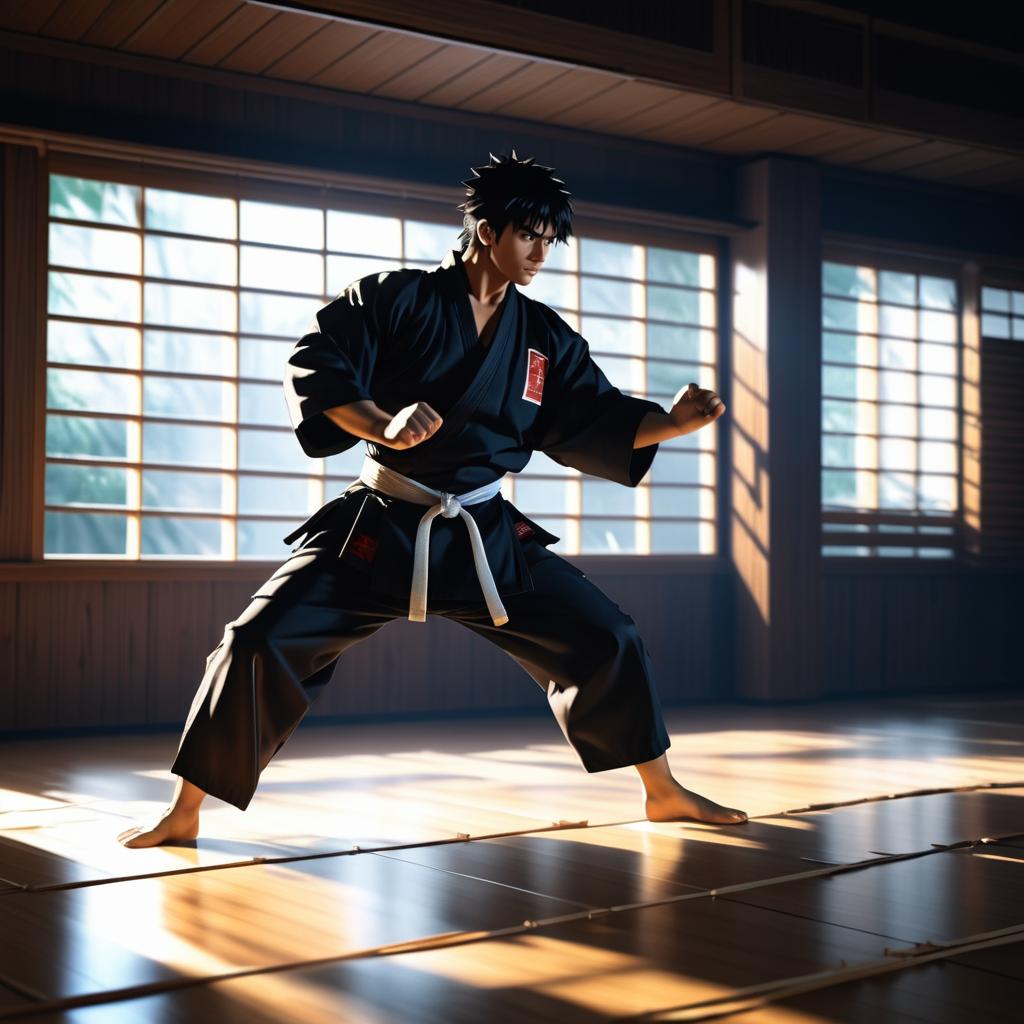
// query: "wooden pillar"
[[775, 439], [23, 366]]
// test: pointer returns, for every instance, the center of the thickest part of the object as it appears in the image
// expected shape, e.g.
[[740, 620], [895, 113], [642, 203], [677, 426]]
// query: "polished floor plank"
[[131, 932], [940, 897], [934, 993], [912, 823], [1007, 961], [629, 863], [87, 849], [83, 850], [577, 972], [621, 864]]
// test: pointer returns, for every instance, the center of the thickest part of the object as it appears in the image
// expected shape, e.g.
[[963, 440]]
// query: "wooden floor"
[[419, 873]]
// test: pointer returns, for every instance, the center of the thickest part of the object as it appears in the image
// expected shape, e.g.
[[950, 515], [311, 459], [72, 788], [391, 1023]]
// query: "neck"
[[487, 284]]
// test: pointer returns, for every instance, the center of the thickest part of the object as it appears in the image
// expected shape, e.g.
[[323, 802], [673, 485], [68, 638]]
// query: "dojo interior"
[[815, 210]]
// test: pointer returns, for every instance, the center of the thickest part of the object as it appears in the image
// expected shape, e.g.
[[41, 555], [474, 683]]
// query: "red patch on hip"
[[536, 371], [363, 546]]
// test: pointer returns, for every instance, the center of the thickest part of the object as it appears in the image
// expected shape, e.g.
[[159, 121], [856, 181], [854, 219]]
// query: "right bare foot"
[[173, 825]]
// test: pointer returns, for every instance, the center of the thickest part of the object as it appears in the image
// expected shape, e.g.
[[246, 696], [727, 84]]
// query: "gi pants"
[[278, 655]]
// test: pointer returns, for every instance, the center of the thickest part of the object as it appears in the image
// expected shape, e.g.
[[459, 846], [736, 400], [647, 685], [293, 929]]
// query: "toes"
[[131, 837]]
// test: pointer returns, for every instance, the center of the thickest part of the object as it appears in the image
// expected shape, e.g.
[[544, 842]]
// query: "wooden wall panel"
[[890, 630], [124, 654], [95, 653], [36, 693], [74, 622], [181, 631], [8, 649], [179, 628], [121, 688]]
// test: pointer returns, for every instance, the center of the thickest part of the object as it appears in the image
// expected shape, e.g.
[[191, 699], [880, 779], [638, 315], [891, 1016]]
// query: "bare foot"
[[682, 804], [173, 825]]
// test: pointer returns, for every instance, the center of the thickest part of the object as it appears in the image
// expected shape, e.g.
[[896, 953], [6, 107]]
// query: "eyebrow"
[[549, 238]]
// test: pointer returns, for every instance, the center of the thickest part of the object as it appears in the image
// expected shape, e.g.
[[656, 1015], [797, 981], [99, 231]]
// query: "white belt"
[[395, 485]]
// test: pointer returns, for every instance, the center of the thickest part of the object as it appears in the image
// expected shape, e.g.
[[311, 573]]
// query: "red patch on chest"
[[536, 371], [363, 546], [523, 529]]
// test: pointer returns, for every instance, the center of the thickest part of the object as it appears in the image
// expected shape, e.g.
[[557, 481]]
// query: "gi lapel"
[[456, 286]]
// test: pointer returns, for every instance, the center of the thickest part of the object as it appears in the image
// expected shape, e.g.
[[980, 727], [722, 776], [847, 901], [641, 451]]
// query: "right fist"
[[411, 426]]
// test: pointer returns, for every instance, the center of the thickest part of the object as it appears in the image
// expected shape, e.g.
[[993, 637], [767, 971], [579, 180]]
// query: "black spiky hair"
[[517, 192]]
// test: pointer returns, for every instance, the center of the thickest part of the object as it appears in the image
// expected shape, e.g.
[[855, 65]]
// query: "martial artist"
[[453, 378]]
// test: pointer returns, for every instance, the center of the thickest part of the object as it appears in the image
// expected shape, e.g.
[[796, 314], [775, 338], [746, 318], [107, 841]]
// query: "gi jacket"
[[409, 335]]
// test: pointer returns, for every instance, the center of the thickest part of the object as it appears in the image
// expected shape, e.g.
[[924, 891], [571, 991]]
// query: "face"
[[520, 252]]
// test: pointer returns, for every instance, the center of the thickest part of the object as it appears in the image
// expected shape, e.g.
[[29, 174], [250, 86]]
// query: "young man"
[[453, 378]]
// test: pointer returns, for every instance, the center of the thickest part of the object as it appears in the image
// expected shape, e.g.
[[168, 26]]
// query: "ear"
[[484, 233]]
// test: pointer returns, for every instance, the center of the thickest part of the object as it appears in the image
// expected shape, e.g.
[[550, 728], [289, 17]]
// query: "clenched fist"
[[696, 401], [411, 426]]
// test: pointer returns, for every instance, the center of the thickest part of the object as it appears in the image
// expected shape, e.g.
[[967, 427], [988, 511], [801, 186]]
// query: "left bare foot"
[[681, 804]]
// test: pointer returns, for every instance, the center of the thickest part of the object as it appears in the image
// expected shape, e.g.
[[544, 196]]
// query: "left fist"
[[706, 403]]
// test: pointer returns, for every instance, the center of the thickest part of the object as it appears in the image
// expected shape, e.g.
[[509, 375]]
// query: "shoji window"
[[890, 411], [648, 314], [1002, 313], [171, 313]]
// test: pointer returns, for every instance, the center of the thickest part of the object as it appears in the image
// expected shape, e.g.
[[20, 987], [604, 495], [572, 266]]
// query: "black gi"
[[398, 338]]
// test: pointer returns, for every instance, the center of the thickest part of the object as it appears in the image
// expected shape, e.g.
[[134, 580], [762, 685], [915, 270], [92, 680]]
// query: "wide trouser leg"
[[270, 665], [588, 656]]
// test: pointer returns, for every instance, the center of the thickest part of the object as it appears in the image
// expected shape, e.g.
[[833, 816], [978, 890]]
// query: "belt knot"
[[451, 506]]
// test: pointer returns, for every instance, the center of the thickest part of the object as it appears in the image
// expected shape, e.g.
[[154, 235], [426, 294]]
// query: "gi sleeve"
[[334, 363], [592, 424]]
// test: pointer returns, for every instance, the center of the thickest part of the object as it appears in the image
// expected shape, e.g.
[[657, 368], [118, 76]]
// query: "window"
[[1002, 313], [648, 314], [171, 314], [890, 412]]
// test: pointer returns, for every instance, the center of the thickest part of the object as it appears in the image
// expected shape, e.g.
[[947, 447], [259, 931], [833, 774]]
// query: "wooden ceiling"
[[417, 68]]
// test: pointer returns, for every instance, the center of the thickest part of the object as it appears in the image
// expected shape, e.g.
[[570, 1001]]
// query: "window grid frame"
[[886, 527], [709, 246], [991, 279]]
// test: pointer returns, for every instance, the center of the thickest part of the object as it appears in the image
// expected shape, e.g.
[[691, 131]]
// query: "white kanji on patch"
[[536, 370]]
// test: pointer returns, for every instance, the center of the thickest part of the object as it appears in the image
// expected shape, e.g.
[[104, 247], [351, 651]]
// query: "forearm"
[[656, 427], [363, 419]]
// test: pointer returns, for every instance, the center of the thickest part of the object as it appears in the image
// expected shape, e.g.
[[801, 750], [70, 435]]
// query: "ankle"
[[187, 797], [661, 789]]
